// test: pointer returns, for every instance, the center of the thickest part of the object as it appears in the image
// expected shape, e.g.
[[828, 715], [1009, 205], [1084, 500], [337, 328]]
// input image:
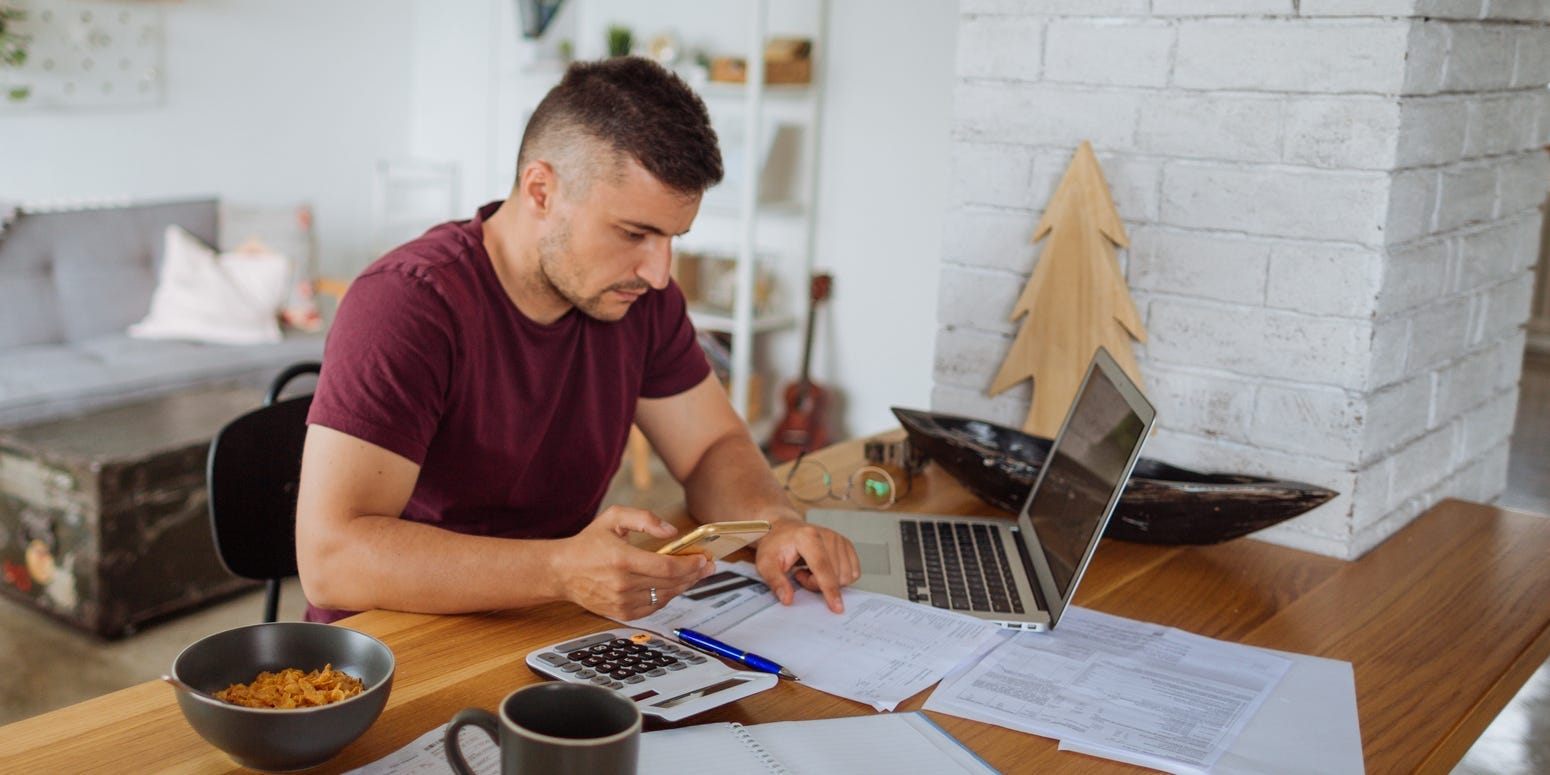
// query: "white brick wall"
[[1108, 53], [1427, 59], [1480, 57], [1291, 56], [991, 174], [1224, 267], [1350, 278], [1342, 132], [1037, 114], [1431, 130], [1222, 7], [1280, 201], [1001, 47], [1196, 125], [1332, 207]]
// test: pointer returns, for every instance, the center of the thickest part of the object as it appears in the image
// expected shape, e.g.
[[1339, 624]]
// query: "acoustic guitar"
[[803, 426]]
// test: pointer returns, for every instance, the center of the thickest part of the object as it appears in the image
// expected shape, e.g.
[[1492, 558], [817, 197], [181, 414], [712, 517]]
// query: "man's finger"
[[775, 578], [821, 565], [667, 566], [622, 520]]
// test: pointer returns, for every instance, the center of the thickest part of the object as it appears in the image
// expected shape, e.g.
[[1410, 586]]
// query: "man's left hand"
[[830, 559]]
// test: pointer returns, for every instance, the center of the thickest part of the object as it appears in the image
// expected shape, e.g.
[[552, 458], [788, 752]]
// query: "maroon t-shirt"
[[517, 427]]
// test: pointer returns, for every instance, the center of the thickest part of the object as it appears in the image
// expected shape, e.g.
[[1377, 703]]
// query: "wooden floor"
[[58, 666]]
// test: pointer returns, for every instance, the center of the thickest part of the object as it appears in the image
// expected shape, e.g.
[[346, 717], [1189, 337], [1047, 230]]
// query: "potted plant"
[[620, 40], [13, 47]]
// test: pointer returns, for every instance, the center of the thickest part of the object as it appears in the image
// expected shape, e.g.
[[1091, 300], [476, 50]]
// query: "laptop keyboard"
[[958, 566]]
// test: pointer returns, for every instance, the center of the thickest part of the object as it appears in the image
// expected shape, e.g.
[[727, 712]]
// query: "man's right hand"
[[600, 571]]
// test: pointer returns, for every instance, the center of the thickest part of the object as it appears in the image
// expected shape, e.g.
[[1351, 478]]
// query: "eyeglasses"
[[868, 487]]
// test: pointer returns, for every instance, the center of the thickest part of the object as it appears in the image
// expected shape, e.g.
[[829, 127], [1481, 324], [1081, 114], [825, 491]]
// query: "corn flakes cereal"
[[291, 688]]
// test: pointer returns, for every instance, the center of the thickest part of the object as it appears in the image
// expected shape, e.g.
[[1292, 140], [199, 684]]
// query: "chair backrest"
[[253, 473]]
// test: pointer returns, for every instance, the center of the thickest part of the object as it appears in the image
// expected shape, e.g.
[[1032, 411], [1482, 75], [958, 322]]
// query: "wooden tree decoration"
[[1075, 300]]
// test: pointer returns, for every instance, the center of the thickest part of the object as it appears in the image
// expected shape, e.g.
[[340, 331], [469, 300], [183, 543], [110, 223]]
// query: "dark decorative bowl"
[[282, 740], [1162, 504]]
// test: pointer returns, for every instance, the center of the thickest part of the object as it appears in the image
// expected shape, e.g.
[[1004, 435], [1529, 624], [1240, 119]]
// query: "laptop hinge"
[[1032, 574]]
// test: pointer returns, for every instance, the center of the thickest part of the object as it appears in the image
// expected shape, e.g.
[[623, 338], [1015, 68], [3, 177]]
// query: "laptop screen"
[[1086, 469]]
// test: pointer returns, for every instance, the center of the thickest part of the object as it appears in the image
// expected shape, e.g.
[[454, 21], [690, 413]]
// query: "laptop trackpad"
[[874, 558]]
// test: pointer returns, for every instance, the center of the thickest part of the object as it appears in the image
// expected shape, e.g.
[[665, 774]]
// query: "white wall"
[[882, 193], [267, 102]]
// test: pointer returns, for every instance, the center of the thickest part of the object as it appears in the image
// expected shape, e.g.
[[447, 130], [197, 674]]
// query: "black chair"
[[252, 476]]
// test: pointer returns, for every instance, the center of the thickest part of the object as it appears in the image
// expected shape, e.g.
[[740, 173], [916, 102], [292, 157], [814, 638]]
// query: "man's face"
[[605, 249]]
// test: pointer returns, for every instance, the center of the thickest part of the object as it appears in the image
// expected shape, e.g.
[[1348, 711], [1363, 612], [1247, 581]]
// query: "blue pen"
[[707, 643]]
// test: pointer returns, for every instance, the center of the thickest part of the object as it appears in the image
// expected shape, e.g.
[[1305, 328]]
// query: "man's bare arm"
[[706, 446], [354, 553]]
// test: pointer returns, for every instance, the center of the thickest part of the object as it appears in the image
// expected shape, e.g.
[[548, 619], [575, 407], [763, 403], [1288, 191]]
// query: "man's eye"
[[634, 236]]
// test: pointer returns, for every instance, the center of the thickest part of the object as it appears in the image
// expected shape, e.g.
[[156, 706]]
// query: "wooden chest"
[[103, 516]]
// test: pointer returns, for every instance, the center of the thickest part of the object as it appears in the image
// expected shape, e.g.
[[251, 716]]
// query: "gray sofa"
[[72, 281]]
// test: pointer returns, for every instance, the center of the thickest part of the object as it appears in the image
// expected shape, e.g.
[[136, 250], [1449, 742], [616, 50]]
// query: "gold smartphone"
[[718, 539]]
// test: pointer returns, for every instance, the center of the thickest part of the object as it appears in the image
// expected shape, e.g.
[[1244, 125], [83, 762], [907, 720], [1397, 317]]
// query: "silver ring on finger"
[[653, 597]]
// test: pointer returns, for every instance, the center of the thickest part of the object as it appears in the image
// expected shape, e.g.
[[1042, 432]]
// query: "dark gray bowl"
[[282, 740]]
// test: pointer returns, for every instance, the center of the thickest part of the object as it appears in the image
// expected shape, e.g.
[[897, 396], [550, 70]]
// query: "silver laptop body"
[[1036, 560]]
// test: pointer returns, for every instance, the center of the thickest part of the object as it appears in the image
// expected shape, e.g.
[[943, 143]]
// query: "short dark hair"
[[633, 106]]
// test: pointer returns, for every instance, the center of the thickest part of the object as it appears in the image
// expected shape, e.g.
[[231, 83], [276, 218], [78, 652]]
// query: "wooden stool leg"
[[640, 459]]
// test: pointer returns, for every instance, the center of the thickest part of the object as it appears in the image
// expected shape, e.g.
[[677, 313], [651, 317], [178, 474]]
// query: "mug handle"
[[478, 717]]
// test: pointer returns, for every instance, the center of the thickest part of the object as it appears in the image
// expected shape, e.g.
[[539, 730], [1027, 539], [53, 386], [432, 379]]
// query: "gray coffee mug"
[[556, 729]]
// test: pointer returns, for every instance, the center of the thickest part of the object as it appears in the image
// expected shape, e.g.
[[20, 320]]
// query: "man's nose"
[[657, 266]]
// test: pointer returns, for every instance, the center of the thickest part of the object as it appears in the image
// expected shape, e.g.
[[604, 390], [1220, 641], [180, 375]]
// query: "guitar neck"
[[807, 347]]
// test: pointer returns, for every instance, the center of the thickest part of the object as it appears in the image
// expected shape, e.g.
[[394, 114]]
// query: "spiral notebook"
[[885, 744]]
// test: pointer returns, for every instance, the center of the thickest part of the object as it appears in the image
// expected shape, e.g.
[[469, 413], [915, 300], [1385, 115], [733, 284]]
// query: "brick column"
[[1333, 213]]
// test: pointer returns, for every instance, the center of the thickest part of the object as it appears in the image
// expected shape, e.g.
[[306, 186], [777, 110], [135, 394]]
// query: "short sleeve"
[[387, 363], [676, 362]]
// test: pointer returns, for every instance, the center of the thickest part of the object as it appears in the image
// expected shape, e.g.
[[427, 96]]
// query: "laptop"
[[1018, 574]]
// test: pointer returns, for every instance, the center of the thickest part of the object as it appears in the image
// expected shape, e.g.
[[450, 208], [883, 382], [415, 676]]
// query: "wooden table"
[[1443, 623]]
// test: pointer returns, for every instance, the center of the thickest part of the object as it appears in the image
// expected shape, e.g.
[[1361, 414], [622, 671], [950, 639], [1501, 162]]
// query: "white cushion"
[[225, 298]]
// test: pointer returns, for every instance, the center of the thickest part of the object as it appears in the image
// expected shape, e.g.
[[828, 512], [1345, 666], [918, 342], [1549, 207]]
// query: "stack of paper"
[[881, 651], [1156, 697]]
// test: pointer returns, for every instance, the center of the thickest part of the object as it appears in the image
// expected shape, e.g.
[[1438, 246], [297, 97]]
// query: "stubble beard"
[[557, 270]]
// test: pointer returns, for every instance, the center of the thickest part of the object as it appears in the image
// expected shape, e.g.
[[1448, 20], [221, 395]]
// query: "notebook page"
[[885, 744], [720, 748]]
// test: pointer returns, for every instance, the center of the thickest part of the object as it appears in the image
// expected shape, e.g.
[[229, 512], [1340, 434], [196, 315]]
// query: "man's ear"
[[537, 187]]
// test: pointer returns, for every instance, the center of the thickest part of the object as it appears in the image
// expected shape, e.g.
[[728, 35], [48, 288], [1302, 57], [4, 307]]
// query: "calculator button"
[[600, 680], [553, 658], [620, 675], [677, 666], [634, 679], [618, 643], [570, 667], [577, 656], [656, 671], [664, 661], [615, 685], [582, 642], [694, 659], [586, 672], [640, 637], [593, 661]]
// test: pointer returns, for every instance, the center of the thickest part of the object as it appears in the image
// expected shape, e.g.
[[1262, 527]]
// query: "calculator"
[[665, 680]]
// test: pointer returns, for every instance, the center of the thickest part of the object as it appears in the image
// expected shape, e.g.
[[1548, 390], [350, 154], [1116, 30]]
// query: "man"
[[480, 382]]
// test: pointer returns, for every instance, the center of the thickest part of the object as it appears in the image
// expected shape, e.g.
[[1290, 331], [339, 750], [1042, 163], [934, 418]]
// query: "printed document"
[[881, 651], [1138, 692]]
